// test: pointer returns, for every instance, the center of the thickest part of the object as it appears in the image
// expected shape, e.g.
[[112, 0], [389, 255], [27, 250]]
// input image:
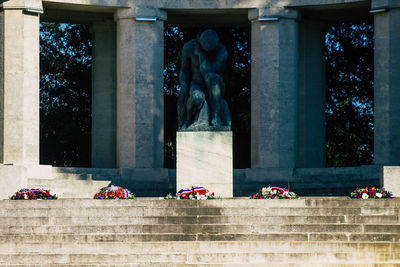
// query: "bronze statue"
[[201, 106]]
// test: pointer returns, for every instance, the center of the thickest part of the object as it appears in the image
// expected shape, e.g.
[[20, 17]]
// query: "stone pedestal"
[[13, 178], [390, 179], [205, 159]]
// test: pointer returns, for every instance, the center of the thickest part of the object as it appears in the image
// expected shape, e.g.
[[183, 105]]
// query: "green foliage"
[[65, 94], [349, 95]]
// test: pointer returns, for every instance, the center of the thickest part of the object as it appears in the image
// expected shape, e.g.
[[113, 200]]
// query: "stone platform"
[[226, 232], [85, 182]]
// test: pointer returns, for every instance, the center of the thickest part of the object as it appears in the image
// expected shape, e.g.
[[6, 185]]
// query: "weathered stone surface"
[[19, 87], [12, 179], [390, 179], [274, 94], [94, 232], [387, 88], [205, 159], [311, 153], [215, 5], [104, 95], [139, 93]]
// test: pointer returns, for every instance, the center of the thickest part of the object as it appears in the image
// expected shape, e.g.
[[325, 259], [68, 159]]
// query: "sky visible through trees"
[[65, 92]]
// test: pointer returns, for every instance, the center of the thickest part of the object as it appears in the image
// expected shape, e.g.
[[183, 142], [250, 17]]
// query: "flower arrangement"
[[114, 192], [272, 192], [196, 192], [33, 194], [370, 192]]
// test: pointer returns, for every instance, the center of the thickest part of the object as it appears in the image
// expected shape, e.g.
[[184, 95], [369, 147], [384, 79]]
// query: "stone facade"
[[287, 79]]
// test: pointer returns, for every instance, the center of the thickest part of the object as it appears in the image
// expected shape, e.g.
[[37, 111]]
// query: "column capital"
[[34, 6], [272, 14], [141, 13], [384, 5]]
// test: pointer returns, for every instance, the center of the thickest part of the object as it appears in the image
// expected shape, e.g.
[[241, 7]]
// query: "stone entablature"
[[210, 4]]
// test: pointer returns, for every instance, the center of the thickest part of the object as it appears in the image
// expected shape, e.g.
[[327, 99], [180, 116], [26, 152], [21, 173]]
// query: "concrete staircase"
[[226, 232]]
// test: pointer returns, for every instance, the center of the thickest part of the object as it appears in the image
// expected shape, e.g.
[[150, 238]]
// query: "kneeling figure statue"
[[201, 106]]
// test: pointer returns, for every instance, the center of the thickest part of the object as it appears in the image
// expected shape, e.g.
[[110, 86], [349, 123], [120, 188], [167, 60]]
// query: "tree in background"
[[349, 95], [65, 95]]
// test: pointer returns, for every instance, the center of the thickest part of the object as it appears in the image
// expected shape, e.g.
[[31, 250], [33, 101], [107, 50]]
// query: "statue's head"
[[209, 40]]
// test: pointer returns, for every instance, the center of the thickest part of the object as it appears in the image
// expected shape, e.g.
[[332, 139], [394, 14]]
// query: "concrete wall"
[[312, 83], [215, 5], [308, 181], [387, 83], [140, 108], [274, 88], [13, 178], [104, 95], [19, 82]]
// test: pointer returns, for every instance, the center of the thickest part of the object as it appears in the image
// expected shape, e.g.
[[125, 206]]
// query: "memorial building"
[[287, 93]]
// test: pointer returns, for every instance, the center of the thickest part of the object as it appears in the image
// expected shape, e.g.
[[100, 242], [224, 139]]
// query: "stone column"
[[312, 83], [104, 95], [140, 104], [19, 82], [274, 88], [387, 82]]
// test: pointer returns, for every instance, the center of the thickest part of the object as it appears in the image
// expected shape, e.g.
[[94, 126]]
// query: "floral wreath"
[[195, 192], [114, 192], [370, 192], [32, 193], [272, 192]]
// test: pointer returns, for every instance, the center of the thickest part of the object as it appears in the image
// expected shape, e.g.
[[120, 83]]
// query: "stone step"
[[202, 228], [227, 232], [297, 264], [42, 258], [194, 219], [217, 203], [196, 258], [155, 211], [292, 257], [138, 237], [201, 247]]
